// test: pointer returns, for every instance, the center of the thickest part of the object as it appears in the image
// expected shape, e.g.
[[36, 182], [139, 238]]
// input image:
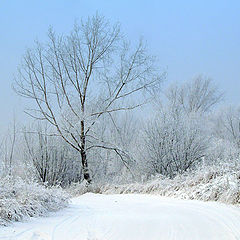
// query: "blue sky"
[[189, 37]]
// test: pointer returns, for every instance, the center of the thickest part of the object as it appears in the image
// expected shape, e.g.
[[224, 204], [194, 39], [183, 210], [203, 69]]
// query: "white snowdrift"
[[132, 217]]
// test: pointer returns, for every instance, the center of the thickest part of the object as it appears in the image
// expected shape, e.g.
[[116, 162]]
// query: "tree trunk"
[[86, 174]]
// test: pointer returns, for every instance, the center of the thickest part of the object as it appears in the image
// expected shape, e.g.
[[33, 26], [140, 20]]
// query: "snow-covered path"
[[131, 217]]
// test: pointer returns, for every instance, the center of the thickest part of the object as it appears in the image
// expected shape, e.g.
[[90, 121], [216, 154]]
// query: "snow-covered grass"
[[77, 189], [212, 183], [209, 183], [20, 200]]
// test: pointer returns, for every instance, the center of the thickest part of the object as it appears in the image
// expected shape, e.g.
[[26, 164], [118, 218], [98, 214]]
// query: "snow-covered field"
[[131, 217]]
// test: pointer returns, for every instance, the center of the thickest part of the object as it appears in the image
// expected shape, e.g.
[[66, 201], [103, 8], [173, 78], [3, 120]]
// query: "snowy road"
[[131, 217]]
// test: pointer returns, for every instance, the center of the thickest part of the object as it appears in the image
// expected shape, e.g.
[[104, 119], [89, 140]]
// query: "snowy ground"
[[131, 217]]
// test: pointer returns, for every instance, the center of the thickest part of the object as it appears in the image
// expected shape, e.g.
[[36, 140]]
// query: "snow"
[[131, 217]]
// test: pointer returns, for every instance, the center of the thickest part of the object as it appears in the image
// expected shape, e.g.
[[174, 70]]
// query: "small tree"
[[119, 130], [75, 79], [176, 139], [7, 149], [198, 95], [226, 131], [175, 142], [50, 158], [228, 125]]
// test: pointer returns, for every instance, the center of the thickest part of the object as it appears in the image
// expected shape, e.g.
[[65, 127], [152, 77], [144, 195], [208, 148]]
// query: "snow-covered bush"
[[20, 200], [175, 142], [178, 137], [225, 145], [49, 159]]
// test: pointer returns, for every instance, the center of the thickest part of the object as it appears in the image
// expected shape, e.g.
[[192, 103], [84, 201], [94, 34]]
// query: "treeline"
[[184, 131], [102, 115]]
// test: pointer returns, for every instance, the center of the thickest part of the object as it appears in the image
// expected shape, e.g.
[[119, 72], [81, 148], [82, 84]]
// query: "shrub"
[[20, 199]]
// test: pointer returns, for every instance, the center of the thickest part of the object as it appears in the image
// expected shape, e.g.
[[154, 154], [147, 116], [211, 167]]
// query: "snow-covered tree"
[[199, 95], [177, 139], [175, 142], [75, 79]]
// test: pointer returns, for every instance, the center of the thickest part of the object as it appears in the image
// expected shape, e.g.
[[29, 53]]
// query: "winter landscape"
[[113, 128]]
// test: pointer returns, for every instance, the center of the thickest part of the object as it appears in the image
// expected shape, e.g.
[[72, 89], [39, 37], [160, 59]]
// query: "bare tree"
[[175, 142], [76, 78], [119, 131], [199, 95], [7, 149], [12, 142], [227, 125]]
